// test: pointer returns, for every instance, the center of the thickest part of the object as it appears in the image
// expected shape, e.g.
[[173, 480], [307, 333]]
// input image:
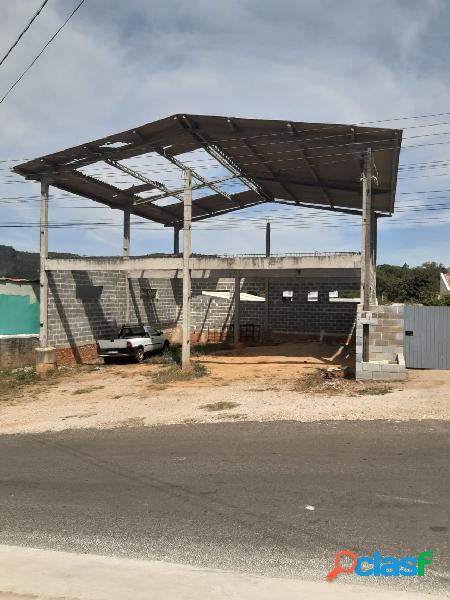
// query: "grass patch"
[[374, 390], [172, 356], [14, 382], [174, 373], [233, 416], [87, 390], [215, 406]]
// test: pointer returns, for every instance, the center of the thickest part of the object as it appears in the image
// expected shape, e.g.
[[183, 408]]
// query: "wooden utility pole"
[[237, 308], [43, 255], [187, 226], [267, 239], [126, 256]]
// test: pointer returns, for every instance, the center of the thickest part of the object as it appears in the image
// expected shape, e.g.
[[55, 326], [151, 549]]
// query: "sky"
[[119, 64]]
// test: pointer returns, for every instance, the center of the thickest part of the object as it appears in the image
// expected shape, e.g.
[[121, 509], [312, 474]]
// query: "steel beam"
[[218, 154], [195, 175]]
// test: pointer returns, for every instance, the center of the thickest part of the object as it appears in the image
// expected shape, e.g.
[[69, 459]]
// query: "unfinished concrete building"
[[337, 168]]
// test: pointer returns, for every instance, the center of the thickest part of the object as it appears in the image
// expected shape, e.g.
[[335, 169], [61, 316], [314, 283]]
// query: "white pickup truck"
[[133, 341]]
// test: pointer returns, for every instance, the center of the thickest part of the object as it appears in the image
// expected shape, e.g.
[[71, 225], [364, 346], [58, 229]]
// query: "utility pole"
[[367, 246], [267, 239], [187, 227], [367, 232]]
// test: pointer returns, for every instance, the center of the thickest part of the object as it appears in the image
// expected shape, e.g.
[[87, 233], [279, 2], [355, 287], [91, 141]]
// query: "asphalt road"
[[271, 498]]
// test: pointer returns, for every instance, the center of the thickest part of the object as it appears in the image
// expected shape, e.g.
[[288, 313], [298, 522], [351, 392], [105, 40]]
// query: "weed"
[[219, 406], [315, 383], [88, 389], [234, 416], [310, 382], [14, 381], [374, 390], [173, 373]]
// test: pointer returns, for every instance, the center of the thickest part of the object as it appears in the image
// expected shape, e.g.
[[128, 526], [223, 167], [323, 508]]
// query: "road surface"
[[276, 498]]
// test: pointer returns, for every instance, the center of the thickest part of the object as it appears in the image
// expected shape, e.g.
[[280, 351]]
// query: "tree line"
[[415, 285]]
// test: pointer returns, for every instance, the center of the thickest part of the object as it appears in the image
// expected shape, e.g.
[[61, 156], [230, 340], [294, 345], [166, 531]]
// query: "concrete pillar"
[[176, 239], [187, 226], [126, 256], [374, 259], [367, 251], [266, 332], [367, 233], [237, 308], [43, 255], [45, 356], [267, 239]]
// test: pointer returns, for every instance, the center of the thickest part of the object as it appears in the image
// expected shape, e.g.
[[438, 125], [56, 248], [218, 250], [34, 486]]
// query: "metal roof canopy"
[[314, 165]]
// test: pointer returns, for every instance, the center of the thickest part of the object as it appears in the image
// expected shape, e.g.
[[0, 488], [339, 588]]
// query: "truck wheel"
[[139, 357], [165, 347]]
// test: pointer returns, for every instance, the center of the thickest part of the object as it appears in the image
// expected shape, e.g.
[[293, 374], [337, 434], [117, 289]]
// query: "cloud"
[[118, 64]]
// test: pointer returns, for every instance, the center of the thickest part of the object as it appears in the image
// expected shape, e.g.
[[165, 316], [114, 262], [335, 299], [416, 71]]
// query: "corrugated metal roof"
[[315, 164]]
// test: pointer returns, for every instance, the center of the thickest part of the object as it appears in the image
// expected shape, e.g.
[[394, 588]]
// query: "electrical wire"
[[36, 58], [27, 27]]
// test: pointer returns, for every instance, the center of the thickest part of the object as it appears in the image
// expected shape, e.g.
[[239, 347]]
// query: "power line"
[[36, 14], [42, 51]]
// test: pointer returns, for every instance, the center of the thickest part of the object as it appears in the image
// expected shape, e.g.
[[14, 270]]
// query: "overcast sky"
[[120, 64]]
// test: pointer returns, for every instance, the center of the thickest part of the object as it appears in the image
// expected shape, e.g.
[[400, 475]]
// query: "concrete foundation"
[[45, 359], [17, 351]]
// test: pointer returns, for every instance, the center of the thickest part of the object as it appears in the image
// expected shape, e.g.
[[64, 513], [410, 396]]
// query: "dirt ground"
[[250, 383]]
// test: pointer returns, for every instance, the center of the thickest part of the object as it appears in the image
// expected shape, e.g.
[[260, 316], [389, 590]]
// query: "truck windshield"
[[130, 332]]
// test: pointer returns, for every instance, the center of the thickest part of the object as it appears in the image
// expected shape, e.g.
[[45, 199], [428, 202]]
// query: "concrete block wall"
[[386, 342], [304, 316], [74, 321], [156, 301]]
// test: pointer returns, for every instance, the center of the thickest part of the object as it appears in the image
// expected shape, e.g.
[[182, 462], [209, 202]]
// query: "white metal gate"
[[427, 337]]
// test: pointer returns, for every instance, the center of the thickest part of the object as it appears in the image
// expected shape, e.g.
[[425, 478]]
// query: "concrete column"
[[367, 233], [374, 259], [266, 310], [43, 255], [45, 356], [176, 239], [187, 225], [237, 308], [126, 256], [366, 247], [267, 239]]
